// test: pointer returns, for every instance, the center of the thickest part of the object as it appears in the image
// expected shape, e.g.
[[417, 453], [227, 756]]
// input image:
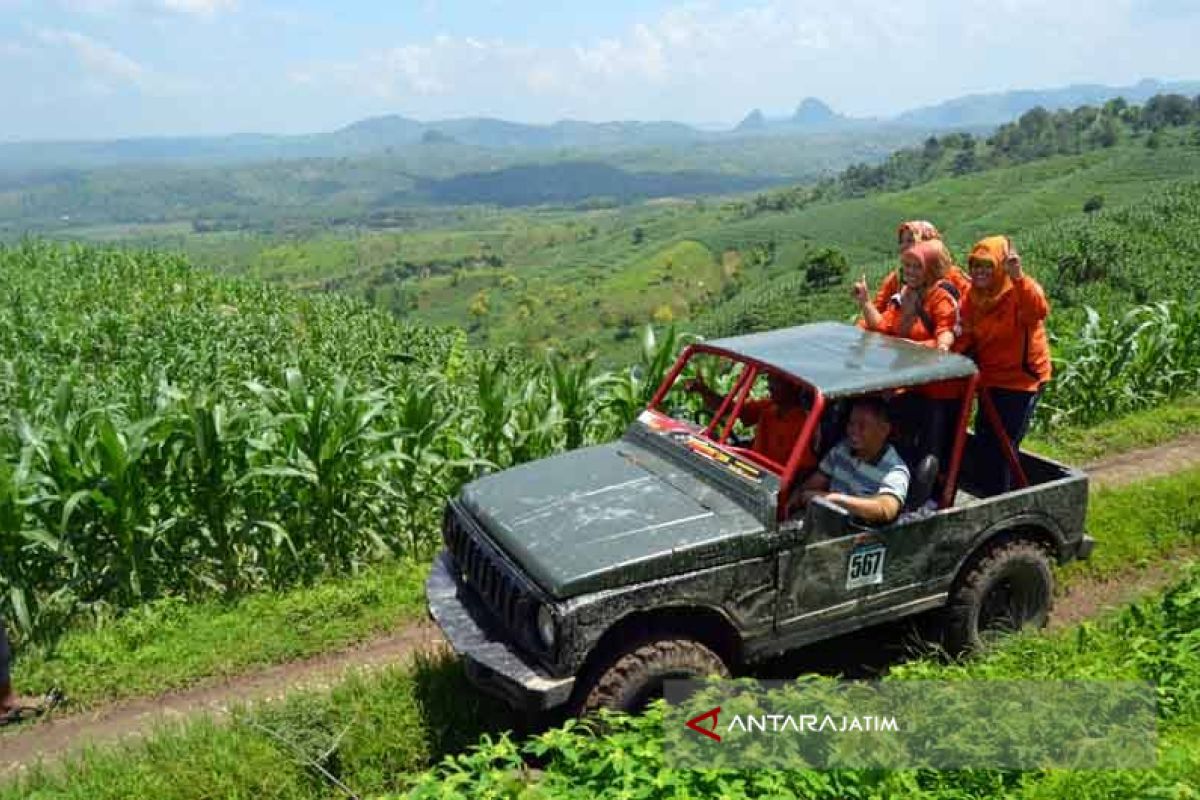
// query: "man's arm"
[[876, 510], [884, 506]]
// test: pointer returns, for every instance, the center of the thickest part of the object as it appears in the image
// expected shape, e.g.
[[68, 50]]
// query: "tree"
[[1104, 132], [1093, 204], [1167, 110], [1115, 107], [824, 268], [964, 162], [479, 305], [638, 236]]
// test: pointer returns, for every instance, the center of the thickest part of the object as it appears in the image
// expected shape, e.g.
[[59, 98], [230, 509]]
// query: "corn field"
[[168, 432], [1109, 367]]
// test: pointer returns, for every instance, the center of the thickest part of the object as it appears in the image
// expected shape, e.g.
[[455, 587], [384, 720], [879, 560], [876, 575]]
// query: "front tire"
[[635, 678], [1009, 588]]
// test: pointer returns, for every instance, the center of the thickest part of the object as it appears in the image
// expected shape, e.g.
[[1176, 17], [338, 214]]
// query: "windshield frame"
[[751, 369]]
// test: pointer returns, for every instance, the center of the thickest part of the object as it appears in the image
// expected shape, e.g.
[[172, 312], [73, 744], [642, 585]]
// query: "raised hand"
[[860, 292], [1012, 264]]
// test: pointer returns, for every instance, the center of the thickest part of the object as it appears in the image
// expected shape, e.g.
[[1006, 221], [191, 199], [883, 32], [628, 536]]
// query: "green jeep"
[[588, 578]]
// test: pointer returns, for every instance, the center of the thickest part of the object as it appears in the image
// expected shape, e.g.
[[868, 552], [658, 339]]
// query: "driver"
[[778, 420], [862, 473]]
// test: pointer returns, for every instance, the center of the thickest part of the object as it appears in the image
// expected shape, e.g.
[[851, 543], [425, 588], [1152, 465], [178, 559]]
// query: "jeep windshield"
[[744, 416]]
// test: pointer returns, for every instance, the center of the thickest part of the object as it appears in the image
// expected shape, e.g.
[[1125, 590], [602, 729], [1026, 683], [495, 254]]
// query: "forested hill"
[[571, 182]]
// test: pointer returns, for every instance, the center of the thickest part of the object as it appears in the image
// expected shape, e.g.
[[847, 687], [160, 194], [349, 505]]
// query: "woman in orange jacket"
[[924, 309], [1004, 331], [912, 233]]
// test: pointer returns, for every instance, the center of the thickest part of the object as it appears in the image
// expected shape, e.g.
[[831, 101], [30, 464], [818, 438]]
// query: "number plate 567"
[[866, 566]]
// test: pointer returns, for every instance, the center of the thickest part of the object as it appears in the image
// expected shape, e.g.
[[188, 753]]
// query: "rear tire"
[[1009, 588], [636, 677]]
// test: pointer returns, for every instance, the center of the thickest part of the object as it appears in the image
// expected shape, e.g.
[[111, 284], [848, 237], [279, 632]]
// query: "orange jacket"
[[891, 286], [939, 307], [776, 432], [1008, 340]]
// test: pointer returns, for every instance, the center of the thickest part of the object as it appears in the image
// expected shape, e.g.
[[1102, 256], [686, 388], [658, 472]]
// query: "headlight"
[[547, 628]]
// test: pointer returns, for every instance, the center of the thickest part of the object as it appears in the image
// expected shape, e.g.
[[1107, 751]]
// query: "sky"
[[95, 69]]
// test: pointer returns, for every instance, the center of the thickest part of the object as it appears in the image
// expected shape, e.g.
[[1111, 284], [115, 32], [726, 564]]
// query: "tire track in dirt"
[[59, 735], [1089, 597]]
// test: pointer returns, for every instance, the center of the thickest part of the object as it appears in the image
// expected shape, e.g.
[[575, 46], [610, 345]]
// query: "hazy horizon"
[[106, 69]]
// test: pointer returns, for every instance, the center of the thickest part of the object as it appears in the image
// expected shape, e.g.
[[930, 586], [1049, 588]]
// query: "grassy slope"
[[1026, 201], [1143, 429], [581, 279], [388, 727]]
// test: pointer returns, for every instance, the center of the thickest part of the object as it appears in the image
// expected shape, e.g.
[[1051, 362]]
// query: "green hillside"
[[588, 279], [388, 187], [585, 278], [1030, 202]]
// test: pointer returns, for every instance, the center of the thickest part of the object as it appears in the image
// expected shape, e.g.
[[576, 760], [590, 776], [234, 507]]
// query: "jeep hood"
[[607, 516]]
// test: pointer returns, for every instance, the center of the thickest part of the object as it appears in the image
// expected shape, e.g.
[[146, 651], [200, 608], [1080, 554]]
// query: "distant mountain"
[[576, 181], [365, 137], [811, 116], [754, 121], [475, 137], [813, 113], [1001, 107]]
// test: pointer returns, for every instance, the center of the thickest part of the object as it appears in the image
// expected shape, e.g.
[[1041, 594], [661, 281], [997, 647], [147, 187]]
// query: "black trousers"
[[1016, 412]]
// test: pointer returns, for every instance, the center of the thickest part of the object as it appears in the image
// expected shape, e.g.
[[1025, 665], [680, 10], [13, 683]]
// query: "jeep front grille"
[[479, 567]]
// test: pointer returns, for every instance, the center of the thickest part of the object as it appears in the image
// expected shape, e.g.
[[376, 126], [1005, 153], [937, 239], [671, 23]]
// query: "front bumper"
[[491, 663]]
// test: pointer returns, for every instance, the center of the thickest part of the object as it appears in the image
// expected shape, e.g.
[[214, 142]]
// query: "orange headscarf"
[[933, 257], [921, 230], [994, 249]]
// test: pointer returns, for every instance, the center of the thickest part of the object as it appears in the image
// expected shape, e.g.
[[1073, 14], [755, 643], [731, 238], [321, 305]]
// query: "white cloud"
[[695, 50], [101, 61], [103, 68]]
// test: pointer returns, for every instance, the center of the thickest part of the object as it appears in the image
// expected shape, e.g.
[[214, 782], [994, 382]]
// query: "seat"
[[832, 427], [921, 483]]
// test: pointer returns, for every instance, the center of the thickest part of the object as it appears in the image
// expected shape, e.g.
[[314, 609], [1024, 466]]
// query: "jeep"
[[586, 579]]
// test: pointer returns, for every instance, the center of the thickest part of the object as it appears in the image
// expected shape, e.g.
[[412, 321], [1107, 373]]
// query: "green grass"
[[1155, 641], [170, 644], [1143, 429], [1138, 524], [377, 732], [397, 723]]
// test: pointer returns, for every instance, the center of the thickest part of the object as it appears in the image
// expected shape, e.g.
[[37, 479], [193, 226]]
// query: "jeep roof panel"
[[840, 359]]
